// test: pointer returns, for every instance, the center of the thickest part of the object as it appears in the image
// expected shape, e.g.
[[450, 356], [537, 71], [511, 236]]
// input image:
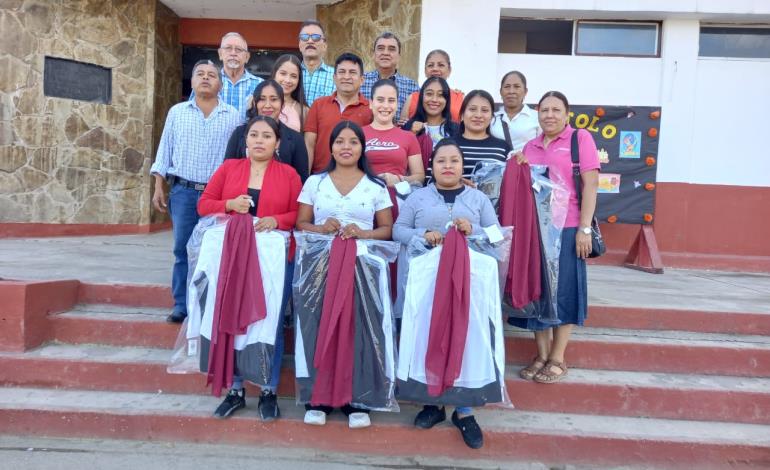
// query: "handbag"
[[597, 242]]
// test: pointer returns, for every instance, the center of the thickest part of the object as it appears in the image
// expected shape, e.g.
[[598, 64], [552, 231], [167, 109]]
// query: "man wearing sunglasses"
[[317, 77], [238, 84]]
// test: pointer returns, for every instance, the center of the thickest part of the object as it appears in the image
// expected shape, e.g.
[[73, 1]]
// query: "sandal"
[[546, 375], [531, 370]]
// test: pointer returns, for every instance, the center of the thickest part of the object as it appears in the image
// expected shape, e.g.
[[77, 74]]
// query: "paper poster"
[[609, 183], [630, 144]]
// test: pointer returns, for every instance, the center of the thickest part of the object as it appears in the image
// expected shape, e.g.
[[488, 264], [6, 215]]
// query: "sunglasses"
[[306, 37]]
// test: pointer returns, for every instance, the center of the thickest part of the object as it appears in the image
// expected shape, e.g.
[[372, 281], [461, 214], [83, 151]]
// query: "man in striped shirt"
[[317, 77], [191, 148], [238, 84]]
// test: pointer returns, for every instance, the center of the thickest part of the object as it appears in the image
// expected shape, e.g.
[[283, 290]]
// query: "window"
[[63, 78], [617, 38], [521, 36], [723, 41], [609, 38]]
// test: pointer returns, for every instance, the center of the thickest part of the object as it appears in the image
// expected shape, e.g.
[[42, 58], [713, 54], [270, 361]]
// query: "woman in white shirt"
[[516, 123], [346, 199]]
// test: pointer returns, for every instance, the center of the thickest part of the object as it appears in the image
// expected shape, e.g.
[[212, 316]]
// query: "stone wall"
[[352, 25], [168, 81], [68, 161]]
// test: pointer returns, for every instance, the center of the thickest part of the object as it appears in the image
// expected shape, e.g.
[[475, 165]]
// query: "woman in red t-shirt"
[[393, 153]]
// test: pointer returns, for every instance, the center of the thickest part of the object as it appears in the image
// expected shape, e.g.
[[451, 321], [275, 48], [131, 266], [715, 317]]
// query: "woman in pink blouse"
[[553, 148]]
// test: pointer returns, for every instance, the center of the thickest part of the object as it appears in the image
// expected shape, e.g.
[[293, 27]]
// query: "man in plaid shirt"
[[317, 77], [238, 84], [387, 52]]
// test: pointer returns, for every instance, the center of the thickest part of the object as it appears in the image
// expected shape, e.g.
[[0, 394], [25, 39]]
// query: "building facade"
[[73, 166]]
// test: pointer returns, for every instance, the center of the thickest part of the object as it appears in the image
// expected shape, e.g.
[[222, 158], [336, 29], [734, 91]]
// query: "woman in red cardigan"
[[268, 189]]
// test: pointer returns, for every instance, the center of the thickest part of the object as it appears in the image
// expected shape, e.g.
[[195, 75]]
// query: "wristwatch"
[[586, 230]]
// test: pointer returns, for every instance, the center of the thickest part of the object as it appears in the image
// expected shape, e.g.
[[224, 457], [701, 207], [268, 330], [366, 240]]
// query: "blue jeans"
[[183, 208], [275, 371]]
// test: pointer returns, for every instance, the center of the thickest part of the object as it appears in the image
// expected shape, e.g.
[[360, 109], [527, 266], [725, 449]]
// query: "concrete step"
[[518, 435], [592, 348], [655, 351], [611, 393]]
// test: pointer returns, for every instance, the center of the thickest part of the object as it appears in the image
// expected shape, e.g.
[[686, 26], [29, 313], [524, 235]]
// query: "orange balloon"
[[600, 112], [650, 160], [655, 114], [649, 186], [652, 132], [648, 218], [612, 219]]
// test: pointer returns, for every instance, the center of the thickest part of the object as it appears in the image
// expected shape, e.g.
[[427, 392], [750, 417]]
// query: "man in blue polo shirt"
[[191, 148]]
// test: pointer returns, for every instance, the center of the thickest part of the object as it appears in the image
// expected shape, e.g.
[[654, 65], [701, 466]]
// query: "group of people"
[[334, 150]]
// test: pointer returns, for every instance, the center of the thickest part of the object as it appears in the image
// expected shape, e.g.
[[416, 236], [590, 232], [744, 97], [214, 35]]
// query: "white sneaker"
[[359, 420], [315, 417]]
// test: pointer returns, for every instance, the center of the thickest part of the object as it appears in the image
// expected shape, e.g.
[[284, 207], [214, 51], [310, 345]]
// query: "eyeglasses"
[[306, 37], [239, 50]]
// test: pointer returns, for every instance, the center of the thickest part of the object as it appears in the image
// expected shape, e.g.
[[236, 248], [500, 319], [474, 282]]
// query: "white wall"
[[715, 111]]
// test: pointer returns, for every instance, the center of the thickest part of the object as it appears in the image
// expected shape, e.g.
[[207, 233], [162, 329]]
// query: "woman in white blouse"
[[346, 199], [515, 122]]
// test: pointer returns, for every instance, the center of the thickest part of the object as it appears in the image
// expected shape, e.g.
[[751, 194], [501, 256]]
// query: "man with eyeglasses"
[[347, 103], [317, 77], [387, 53], [238, 84]]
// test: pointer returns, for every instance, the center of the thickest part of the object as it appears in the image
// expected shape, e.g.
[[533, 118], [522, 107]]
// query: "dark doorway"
[[260, 63]]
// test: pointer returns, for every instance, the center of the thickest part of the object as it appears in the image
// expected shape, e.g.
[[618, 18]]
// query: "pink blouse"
[[290, 117], [558, 157]]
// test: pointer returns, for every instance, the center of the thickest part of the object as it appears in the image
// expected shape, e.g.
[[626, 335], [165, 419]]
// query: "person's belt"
[[173, 179]]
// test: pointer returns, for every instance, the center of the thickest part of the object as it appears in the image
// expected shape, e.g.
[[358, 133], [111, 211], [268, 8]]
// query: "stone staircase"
[[681, 388]]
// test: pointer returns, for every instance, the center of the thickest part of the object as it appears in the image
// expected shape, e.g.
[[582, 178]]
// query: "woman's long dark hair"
[[252, 111], [299, 93], [420, 114], [363, 165], [474, 93]]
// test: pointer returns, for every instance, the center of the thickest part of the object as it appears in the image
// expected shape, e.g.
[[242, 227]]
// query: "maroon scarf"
[[451, 312], [240, 299], [334, 347], [517, 208]]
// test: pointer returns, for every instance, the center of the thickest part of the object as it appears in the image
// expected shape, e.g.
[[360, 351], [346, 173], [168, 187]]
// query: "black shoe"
[[176, 317], [470, 430], [268, 406], [234, 401], [430, 416]]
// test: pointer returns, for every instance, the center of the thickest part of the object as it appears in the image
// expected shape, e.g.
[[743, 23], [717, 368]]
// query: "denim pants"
[[183, 208], [275, 370]]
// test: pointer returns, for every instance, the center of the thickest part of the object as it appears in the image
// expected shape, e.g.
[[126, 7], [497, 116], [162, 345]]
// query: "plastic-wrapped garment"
[[255, 349], [481, 379], [488, 177], [552, 202], [374, 330]]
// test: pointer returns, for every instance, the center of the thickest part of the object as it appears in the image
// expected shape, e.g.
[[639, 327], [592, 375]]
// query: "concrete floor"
[[147, 259]]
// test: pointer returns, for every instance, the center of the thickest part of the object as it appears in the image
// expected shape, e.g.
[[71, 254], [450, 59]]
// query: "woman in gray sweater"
[[428, 213]]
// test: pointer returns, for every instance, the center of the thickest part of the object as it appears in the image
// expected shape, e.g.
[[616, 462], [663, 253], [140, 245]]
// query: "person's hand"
[[159, 198], [390, 179], [331, 225], [433, 238], [520, 158], [417, 126], [582, 244], [400, 122], [265, 224], [468, 182], [464, 226], [352, 231], [240, 204]]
